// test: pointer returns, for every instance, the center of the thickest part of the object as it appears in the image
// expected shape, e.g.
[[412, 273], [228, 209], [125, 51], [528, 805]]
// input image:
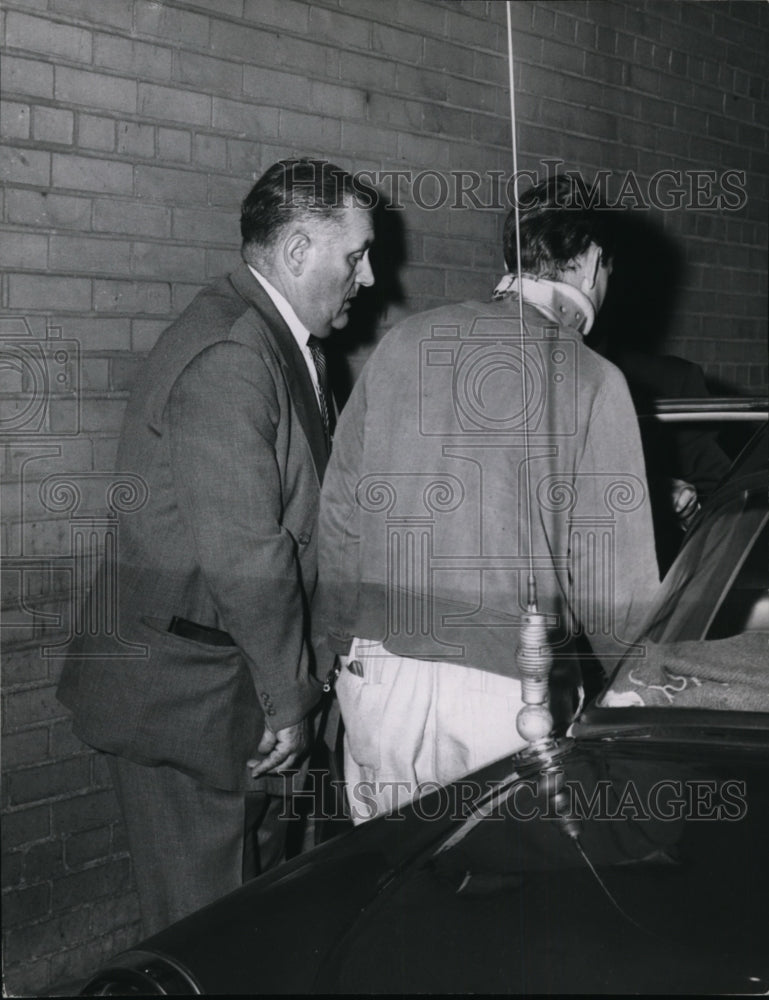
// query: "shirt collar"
[[298, 329], [556, 300]]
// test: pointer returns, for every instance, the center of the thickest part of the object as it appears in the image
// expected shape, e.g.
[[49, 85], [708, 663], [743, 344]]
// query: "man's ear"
[[592, 258], [295, 250]]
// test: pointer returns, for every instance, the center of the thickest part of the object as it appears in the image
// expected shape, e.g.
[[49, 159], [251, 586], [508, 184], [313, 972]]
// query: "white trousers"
[[410, 723]]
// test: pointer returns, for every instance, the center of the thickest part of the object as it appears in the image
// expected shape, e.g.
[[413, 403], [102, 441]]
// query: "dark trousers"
[[190, 843]]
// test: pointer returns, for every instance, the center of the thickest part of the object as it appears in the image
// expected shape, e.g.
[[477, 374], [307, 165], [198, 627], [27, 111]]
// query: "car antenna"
[[533, 656]]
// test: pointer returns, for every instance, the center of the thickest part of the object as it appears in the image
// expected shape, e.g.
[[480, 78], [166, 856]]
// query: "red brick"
[[85, 886], [135, 139], [99, 334], [273, 87], [95, 90], [29, 77], [26, 747], [48, 781], [169, 22], [39, 291], [402, 45], [318, 132], [206, 73], [92, 174], [604, 69], [22, 905], [23, 250], [25, 166], [182, 294], [123, 372], [105, 452], [13, 864], [447, 121], [90, 845], [174, 105], [469, 94], [95, 132], [174, 144], [53, 125], [278, 13], [43, 860], [244, 118], [24, 826], [473, 31], [418, 82], [366, 71], [210, 151], [162, 261], [241, 41], [74, 964], [230, 191], [331, 26], [116, 912], [113, 12], [395, 112], [92, 254], [206, 226], [448, 56], [103, 415], [15, 120], [166, 184], [63, 742], [418, 151], [124, 216], [53, 935], [85, 812], [145, 332], [134, 58], [52, 38], [220, 262], [131, 297]]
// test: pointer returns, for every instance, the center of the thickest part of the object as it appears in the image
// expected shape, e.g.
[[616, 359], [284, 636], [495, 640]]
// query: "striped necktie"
[[326, 412]]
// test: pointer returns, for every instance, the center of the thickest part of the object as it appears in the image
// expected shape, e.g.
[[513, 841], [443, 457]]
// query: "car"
[[626, 856]]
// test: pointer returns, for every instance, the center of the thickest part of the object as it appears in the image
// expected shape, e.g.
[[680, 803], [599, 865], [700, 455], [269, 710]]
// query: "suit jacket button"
[[271, 711], [304, 538]]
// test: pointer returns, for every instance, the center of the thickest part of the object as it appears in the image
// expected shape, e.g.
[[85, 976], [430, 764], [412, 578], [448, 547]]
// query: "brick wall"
[[132, 129]]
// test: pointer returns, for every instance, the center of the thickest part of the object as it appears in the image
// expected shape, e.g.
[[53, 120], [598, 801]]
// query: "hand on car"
[[281, 749], [685, 502]]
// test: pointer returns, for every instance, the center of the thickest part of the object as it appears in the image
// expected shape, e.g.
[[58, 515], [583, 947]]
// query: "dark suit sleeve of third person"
[[224, 415]]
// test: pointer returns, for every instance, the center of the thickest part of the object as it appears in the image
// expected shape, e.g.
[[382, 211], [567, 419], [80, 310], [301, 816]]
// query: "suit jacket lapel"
[[294, 366]]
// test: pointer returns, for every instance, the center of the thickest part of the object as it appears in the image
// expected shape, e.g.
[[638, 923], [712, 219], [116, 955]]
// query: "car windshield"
[[706, 641]]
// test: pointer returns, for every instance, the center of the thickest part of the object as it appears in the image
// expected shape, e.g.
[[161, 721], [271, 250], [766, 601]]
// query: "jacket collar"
[[294, 366], [555, 300]]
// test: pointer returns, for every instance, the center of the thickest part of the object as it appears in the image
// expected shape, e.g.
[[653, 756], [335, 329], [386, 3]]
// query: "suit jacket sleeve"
[[223, 415], [614, 569], [339, 541]]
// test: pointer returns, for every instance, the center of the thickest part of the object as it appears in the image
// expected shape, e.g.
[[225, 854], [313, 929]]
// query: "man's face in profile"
[[337, 265]]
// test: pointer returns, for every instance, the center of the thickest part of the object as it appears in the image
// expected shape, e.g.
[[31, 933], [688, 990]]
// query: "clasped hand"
[[282, 749]]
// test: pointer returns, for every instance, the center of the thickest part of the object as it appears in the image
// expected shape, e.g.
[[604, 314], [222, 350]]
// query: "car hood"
[[602, 865]]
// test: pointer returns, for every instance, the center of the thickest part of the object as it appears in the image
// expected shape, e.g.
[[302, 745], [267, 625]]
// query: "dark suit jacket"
[[223, 425], [680, 451], [672, 451]]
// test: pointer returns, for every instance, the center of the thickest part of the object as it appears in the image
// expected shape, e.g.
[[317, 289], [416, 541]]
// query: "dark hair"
[[295, 189], [557, 224]]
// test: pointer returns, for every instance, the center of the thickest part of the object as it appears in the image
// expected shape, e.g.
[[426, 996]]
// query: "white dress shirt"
[[298, 330]]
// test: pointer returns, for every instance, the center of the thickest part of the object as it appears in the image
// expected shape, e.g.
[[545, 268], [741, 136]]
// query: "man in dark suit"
[[229, 428]]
